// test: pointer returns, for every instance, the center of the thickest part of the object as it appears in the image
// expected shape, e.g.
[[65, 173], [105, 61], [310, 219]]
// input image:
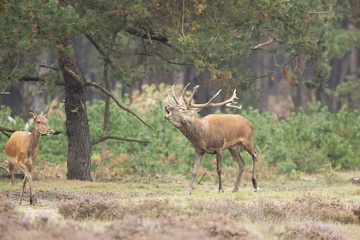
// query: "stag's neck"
[[194, 130], [34, 140]]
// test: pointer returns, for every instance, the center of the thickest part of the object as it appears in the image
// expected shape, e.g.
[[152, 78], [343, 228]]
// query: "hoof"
[[33, 201], [235, 190], [256, 189]]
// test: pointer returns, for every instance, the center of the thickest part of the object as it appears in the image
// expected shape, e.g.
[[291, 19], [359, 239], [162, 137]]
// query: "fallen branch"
[[118, 138], [5, 169]]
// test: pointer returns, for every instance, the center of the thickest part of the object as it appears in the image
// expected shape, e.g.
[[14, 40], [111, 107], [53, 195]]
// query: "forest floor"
[[156, 207]]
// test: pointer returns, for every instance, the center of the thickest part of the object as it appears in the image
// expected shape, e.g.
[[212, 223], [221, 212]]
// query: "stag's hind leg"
[[235, 153], [219, 158], [252, 152]]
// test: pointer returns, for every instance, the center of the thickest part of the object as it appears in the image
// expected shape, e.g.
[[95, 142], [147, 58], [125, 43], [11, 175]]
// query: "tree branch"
[[93, 84], [49, 67], [101, 51], [323, 12], [119, 139], [183, 19], [37, 79], [134, 32], [271, 40], [5, 131], [5, 169]]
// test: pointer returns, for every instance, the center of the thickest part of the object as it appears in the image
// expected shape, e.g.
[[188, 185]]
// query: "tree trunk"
[[77, 128]]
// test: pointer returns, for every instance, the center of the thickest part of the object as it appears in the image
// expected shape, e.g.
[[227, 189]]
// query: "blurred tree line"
[[279, 55]]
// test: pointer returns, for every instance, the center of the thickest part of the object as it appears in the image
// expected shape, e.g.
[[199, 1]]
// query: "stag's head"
[[182, 110], [41, 124]]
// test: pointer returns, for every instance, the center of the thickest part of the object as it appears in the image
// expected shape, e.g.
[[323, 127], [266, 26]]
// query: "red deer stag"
[[21, 151], [213, 133]]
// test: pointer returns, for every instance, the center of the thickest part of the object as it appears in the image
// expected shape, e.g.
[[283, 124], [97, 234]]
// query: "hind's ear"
[[32, 114], [45, 112]]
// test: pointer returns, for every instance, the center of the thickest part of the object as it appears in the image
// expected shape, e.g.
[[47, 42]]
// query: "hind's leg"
[[11, 170]]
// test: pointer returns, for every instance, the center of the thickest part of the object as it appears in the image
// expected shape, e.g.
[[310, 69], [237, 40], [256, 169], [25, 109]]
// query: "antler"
[[197, 107], [226, 103]]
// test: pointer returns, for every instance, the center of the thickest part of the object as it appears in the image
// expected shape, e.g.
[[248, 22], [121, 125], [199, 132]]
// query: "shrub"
[[312, 230], [304, 142], [91, 206]]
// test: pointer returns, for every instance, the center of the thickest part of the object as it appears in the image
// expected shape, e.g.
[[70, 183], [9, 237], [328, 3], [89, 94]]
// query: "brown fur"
[[21, 151]]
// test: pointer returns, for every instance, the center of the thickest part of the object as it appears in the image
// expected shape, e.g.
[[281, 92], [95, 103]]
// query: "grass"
[[137, 207]]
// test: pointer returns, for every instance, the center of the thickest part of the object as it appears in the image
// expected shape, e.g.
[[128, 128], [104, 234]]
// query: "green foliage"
[[307, 142], [301, 143]]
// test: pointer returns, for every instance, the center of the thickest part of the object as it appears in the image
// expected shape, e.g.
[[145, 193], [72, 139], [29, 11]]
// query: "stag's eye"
[[182, 109], [38, 121]]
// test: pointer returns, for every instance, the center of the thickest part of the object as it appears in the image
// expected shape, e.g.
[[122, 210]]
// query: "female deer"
[[21, 151]]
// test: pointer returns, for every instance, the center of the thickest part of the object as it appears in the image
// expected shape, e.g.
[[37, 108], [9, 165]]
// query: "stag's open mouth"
[[167, 112]]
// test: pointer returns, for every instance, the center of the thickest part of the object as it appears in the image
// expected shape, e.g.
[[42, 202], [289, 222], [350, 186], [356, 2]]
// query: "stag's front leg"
[[219, 157], [198, 156]]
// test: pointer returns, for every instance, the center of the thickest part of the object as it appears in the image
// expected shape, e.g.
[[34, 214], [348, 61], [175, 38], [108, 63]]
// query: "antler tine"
[[170, 98], [182, 97], [173, 93], [192, 94]]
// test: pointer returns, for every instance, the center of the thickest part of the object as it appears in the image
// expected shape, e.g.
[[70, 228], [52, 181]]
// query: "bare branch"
[[271, 40], [101, 51], [158, 38], [93, 84], [183, 19], [4, 93], [5, 169], [322, 12], [119, 139], [49, 67], [37, 79], [5, 131]]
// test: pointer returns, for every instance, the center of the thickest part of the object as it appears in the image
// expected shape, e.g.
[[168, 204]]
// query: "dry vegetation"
[[157, 208]]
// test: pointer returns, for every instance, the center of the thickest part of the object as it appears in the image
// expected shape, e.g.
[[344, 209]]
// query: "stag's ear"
[[45, 112], [32, 114]]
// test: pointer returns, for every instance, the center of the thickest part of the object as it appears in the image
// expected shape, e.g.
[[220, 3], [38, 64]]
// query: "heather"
[[140, 208]]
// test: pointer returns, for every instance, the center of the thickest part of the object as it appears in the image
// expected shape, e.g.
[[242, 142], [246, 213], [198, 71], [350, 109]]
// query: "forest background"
[[295, 65]]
